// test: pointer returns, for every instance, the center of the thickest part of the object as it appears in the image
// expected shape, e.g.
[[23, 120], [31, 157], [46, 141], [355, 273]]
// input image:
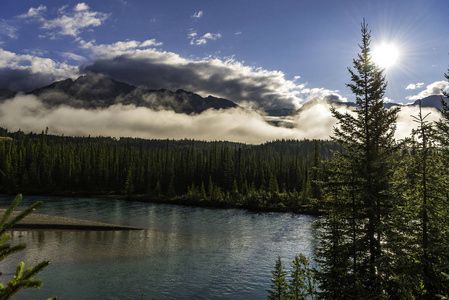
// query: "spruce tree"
[[21, 279], [442, 125], [302, 282], [279, 287], [359, 190], [316, 173], [430, 189]]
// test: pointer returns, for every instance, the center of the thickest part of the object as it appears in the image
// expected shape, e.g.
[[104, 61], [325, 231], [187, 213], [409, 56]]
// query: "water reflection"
[[183, 253]]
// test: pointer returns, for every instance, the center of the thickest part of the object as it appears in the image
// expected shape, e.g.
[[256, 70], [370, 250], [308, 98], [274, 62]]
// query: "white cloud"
[[7, 29], [225, 78], [72, 23], [413, 86], [238, 33], [198, 14], [434, 88], [321, 93], [35, 64], [149, 43], [34, 12], [202, 40], [81, 7], [118, 48], [405, 123], [73, 56], [192, 33], [26, 71], [236, 125]]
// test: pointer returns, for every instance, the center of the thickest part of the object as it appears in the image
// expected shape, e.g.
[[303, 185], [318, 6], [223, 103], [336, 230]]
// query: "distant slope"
[[430, 101], [6, 94], [99, 91]]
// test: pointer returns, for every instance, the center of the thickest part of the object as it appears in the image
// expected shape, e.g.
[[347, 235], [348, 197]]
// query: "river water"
[[182, 253]]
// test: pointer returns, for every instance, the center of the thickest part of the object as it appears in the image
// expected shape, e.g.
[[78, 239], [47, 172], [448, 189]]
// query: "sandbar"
[[42, 221]]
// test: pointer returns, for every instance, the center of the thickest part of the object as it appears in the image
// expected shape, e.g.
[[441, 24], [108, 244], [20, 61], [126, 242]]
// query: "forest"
[[278, 175]]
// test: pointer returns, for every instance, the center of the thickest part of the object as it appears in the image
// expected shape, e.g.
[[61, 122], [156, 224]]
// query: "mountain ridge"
[[93, 91]]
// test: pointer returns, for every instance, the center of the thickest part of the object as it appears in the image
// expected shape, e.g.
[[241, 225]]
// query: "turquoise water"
[[182, 253]]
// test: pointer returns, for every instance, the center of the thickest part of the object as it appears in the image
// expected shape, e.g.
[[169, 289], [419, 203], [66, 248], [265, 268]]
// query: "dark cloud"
[[227, 80], [24, 80]]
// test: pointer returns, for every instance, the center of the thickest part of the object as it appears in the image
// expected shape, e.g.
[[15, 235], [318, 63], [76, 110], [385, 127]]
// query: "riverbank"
[[42, 221], [256, 202]]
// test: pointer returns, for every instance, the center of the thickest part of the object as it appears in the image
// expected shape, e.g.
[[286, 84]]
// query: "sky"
[[257, 53]]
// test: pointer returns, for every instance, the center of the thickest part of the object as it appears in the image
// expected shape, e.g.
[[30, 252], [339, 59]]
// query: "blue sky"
[[275, 53]]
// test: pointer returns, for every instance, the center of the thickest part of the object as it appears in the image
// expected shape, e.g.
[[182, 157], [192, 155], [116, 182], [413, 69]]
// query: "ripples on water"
[[182, 253]]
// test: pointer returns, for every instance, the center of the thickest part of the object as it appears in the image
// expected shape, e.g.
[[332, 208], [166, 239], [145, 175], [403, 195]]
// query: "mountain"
[[6, 94], [430, 101], [93, 91]]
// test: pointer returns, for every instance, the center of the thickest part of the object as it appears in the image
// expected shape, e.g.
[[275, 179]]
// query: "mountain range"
[[93, 91]]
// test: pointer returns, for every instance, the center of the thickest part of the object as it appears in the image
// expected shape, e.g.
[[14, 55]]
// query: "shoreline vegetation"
[[280, 176]]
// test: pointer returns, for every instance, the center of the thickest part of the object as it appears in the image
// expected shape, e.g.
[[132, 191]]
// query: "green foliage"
[[301, 284], [279, 286], [385, 231], [160, 170], [359, 192], [21, 279]]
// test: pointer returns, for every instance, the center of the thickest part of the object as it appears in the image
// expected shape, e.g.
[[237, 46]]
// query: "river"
[[182, 253]]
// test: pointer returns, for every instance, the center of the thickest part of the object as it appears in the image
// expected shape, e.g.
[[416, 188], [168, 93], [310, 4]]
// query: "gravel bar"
[[41, 221]]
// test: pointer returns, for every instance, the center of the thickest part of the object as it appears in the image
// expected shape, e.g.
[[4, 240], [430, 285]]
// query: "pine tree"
[[429, 190], [279, 287], [316, 174], [302, 282], [21, 279], [359, 191], [273, 184], [442, 125]]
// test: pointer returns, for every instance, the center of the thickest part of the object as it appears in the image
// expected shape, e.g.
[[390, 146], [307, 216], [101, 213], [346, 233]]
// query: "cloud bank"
[[224, 78], [434, 88], [28, 113], [24, 72], [141, 64]]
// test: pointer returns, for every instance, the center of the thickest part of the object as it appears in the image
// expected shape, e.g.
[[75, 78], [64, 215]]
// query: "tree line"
[[281, 174]]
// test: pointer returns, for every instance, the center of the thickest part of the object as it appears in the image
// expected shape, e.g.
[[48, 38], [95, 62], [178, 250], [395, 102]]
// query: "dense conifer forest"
[[278, 175]]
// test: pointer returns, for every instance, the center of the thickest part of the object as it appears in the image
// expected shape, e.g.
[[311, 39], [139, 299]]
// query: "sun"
[[385, 55]]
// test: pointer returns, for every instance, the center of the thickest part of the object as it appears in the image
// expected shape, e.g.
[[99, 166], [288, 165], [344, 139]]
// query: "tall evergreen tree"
[[279, 287], [302, 283], [316, 173], [360, 204], [443, 124]]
